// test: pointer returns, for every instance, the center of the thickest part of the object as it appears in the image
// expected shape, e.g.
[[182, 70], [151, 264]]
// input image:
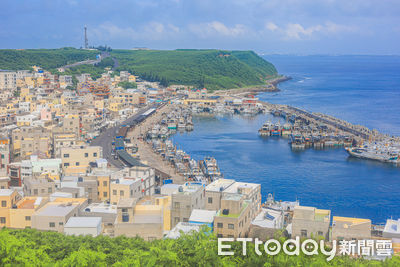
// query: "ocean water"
[[362, 89]]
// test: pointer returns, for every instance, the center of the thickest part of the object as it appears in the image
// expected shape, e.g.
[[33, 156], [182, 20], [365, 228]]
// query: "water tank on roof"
[[180, 189], [87, 209], [221, 189], [225, 212], [80, 179], [117, 181]]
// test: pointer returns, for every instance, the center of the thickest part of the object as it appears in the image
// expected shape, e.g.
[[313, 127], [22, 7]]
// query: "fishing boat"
[[374, 152], [265, 130], [210, 168]]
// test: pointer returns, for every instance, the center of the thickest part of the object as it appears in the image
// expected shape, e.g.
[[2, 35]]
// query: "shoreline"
[[270, 86]]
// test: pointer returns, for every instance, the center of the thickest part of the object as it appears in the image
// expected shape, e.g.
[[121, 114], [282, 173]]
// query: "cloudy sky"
[[266, 26]]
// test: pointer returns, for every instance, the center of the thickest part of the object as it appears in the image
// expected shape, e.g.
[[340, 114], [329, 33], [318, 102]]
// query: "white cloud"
[[271, 26], [296, 31], [214, 28], [150, 31]]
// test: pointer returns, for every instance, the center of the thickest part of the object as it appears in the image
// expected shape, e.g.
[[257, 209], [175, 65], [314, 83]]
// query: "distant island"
[[212, 69]]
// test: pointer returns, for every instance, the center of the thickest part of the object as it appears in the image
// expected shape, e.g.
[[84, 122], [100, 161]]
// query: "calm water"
[[362, 90]]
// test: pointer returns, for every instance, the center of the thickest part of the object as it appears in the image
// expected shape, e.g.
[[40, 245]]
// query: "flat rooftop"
[[6, 192], [203, 216], [219, 184], [56, 209], [80, 222]]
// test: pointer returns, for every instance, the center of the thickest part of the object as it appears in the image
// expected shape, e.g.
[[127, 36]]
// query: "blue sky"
[[270, 26]]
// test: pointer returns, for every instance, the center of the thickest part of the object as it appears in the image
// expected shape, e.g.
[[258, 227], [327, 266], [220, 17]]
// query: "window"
[[220, 225], [4, 203], [35, 192], [60, 223], [52, 224], [131, 192], [210, 200], [219, 235], [27, 218], [66, 155], [303, 233], [94, 154], [177, 205], [76, 163], [66, 164], [320, 233], [185, 219], [114, 192], [104, 194], [230, 236], [125, 217], [121, 193], [124, 210], [86, 155], [176, 219], [231, 226], [104, 183]]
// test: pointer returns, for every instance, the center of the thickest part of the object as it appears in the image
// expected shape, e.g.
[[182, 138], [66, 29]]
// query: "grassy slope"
[[213, 69], [198, 67], [11, 59]]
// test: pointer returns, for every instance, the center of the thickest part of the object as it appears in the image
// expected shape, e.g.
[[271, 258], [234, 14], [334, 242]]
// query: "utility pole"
[[86, 39]]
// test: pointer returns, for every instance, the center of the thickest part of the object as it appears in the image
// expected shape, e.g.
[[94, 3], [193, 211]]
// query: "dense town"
[[90, 157]]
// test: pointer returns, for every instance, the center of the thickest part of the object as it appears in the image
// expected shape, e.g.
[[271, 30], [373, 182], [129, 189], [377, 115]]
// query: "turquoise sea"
[[360, 89]]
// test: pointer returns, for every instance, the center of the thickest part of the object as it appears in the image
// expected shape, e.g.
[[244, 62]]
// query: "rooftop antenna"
[[86, 39]]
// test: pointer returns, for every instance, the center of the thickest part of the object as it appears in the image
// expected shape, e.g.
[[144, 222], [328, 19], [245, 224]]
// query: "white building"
[[8, 80], [83, 226]]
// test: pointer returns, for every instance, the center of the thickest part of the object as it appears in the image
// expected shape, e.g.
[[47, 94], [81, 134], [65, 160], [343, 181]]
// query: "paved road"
[[89, 61], [106, 138]]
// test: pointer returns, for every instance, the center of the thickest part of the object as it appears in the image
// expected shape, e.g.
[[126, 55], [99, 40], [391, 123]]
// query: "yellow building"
[[76, 160], [20, 217], [8, 198], [103, 187]]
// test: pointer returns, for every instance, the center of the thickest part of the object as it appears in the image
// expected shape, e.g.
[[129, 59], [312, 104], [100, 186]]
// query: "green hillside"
[[34, 248], [213, 69], [11, 59]]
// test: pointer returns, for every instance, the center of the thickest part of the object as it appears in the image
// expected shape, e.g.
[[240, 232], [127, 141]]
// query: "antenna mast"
[[86, 39]]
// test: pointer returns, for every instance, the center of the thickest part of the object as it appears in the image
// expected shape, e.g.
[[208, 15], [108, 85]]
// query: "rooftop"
[[219, 185], [392, 226], [6, 192], [182, 227], [203, 216], [101, 208], [269, 218], [350, 220], [56, 209], [126, 202], [79, 222]]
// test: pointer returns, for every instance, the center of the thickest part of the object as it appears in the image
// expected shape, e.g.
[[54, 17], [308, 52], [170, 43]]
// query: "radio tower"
[[86, 40]]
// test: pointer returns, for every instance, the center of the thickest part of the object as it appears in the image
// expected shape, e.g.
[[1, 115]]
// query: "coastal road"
[[106, 138]]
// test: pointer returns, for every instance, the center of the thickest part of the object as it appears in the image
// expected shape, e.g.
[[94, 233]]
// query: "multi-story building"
[[8, 80], [61, 140], [234, 217], [42, 187], [125, 188], [8, 199], [29, 140], [76, 160], [54, 215], [144, 220], [21, 214], [345, 228], [310, 222], [221, 187], [188, 197]]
